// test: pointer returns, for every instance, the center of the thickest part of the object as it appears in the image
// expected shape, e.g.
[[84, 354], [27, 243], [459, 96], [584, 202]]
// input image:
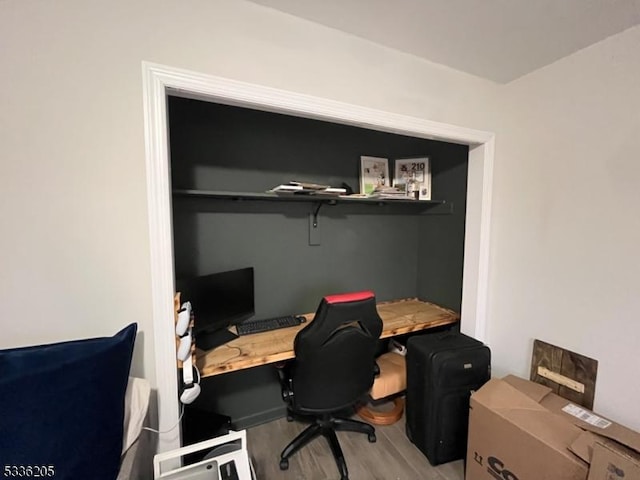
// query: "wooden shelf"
[[318, 199], [399, 317]]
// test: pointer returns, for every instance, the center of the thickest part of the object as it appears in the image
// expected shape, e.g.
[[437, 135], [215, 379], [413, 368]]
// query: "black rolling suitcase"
[[442, 371]]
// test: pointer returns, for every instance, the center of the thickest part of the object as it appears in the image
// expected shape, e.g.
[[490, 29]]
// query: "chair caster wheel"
[[284, 464], [289, 418], [372, 438]]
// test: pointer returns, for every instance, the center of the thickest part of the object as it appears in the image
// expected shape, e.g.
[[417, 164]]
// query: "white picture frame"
[[403, 169], [374, 172]]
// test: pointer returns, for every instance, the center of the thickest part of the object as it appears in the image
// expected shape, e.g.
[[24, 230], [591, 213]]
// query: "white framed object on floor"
[[233, 456]]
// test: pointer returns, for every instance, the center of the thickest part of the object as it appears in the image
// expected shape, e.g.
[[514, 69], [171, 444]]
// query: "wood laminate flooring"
[[392, 457]]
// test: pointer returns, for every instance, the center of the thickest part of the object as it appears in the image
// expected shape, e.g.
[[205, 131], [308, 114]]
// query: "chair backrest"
[[335, 353]]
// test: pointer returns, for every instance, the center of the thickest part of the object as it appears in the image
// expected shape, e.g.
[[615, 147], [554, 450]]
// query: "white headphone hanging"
[[191, 387], [184, 349], [184, 319]]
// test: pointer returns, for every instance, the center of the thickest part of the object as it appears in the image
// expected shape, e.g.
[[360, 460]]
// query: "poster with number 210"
[[406, 168]]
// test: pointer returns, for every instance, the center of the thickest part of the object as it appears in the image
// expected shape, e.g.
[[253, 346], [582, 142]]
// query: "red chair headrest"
[[349, 297]]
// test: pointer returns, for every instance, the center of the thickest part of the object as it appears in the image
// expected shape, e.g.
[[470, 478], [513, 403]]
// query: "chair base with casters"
[[327, 426]]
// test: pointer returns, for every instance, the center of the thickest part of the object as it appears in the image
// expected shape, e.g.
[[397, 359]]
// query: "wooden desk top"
[[398, 317]]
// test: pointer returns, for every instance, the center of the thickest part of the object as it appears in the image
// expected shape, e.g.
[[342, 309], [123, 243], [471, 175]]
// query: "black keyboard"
[[257, 326]]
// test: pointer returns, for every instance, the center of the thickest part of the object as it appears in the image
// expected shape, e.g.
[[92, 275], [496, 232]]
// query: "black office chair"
[[334, 367]]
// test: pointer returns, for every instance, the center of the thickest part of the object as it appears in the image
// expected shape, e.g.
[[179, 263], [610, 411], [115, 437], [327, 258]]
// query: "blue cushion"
[[62, 405]]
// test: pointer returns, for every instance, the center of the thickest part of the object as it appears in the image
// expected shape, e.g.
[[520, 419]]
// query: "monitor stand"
[[210, 340]]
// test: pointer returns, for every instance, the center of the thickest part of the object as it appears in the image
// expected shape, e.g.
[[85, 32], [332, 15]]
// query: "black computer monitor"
[[218, 300]]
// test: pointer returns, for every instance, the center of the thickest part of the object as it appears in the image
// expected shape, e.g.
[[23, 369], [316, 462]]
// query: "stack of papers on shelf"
[[310, 186], [388, 193], [303, 188], [331, 191], [286, 189]]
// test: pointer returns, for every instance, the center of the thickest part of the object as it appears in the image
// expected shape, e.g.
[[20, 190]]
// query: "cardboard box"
[[520, 430], [614, 462]]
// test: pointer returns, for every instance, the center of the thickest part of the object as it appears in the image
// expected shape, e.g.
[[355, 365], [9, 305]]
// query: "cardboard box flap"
[[547, 427], [617, 432], [612, 461], [535, 391], [619, 449], [499, 395], [583, 446], [587, 420]]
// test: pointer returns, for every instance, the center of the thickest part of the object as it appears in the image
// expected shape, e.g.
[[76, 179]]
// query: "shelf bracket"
[[314, 228], [315, 215]]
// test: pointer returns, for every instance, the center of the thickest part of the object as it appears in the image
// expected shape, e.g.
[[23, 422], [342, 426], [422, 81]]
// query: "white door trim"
[[160, 80]]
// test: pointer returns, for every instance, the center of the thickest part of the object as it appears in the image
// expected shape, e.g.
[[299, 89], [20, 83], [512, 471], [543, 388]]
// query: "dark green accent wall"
[[389, 250], [394, 253], [441, 256]]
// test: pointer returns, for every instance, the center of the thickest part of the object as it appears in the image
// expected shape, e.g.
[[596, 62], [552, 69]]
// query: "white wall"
[[73, 199], [75, 256], [566, 224]]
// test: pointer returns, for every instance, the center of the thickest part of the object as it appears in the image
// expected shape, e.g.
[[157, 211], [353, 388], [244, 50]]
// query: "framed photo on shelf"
[[404, 170], [374, 171]]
